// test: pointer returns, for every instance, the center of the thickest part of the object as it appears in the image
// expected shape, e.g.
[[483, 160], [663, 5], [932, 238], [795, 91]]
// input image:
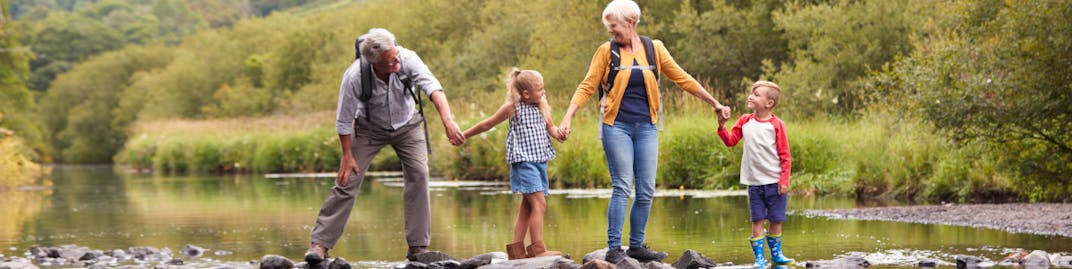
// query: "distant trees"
[[997, 77]]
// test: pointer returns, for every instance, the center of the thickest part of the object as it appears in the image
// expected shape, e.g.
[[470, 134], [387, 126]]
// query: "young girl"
[[528, 149]]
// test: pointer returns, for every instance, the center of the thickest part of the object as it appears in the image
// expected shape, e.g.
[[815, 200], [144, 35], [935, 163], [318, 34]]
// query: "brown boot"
[[516, 250], [537, 249]]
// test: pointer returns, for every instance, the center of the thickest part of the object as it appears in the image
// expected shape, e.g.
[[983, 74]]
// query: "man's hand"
[[783, 189], [347, 166], [454, 134]]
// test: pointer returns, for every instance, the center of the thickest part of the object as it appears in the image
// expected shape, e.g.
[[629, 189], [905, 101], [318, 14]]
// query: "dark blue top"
[[634, 107]]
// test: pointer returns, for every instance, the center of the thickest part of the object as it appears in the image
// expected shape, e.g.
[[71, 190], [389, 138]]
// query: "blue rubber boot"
[[757, 249], [775, 242]]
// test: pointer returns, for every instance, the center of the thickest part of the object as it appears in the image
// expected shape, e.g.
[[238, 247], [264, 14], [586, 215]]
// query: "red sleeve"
[[730, 138], [781, 143]]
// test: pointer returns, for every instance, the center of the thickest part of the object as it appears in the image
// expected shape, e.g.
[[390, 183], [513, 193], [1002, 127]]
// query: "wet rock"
[[445, 264], [547, 262], [928, 263], [72, 252], [39, 252], [147, 253], [431, 257], [597, 264], [17, 265], [414, 265], [275, 262], [1061, 261], [53, 252], [97, 266], [339, 263], [1013, 259], [1037, 258], [965, 261], [174, 262], [483, 259], [851, 261], [693, 260], [89, 256], [599, 254], [655, 265], [192, 251], [628, 263]]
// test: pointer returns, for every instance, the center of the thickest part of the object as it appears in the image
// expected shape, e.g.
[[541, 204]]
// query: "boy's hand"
[[723, 112], [783, 189], [721, 120]]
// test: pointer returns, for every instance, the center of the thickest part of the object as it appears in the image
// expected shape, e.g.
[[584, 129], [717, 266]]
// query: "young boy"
[[765, 167]]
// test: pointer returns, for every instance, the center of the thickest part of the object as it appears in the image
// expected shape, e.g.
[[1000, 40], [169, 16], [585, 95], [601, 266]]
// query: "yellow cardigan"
[[600, 65]]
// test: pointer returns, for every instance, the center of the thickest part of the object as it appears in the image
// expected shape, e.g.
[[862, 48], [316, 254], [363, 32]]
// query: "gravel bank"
[[1041, 218]]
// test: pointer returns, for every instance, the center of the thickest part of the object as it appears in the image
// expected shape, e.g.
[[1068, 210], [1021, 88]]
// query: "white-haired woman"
[[629, 109]]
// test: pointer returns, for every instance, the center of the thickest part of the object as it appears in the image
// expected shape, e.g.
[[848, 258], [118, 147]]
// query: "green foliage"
[[998, 79], [16, 101], [833, 46], [725, 43], [82, 104]]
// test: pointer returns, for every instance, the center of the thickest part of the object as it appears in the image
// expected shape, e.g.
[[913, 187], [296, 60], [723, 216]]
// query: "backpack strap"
[[616, 63]]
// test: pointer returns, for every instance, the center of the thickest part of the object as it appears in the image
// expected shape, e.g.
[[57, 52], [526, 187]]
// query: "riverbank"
[[1037, 218]]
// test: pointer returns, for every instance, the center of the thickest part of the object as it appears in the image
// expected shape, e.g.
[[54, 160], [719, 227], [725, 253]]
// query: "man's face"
[[389, 61]]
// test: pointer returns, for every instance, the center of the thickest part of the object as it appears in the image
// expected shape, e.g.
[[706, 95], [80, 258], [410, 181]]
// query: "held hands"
[[454, 134], [723, 112], [563, 130]]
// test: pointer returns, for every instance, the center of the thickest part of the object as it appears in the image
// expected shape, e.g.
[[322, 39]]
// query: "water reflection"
[[250, 216]]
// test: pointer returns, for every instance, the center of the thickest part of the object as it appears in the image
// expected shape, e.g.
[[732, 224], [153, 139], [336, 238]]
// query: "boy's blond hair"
[[773, 94]]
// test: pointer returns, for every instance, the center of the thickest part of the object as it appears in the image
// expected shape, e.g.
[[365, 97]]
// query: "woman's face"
[[621, 31]]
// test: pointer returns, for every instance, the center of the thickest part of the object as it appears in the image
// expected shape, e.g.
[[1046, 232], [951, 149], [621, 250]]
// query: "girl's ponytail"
[[513, 93]]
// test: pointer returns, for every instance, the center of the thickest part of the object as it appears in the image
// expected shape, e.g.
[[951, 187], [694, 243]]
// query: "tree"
[[16, 101], [1000, 76]]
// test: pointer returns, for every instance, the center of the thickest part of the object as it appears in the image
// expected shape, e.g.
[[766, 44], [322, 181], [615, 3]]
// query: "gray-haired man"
[[387, 116]]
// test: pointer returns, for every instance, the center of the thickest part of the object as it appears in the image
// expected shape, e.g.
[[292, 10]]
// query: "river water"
[[241, 218]]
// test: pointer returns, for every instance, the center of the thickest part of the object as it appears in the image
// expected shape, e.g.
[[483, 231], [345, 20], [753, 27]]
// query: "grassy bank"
[[867, 157]]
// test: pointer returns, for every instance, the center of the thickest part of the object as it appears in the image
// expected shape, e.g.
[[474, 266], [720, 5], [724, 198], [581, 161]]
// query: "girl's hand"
[[564, 130], [783, 189]]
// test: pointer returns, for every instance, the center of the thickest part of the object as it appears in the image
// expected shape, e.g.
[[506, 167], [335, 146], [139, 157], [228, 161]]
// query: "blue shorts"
[[765, 204], [528, 177]]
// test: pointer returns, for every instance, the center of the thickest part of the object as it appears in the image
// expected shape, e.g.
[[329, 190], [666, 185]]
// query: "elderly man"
[[377, 109]]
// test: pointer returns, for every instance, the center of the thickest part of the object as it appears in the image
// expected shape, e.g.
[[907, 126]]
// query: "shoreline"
[[1052, 219]]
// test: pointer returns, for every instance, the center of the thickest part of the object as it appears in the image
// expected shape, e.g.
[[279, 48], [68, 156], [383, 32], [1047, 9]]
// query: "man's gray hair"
[[622, 11], [376, 42]]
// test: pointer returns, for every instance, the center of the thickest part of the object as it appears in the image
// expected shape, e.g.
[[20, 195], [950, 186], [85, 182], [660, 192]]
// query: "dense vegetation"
[[929, 100]]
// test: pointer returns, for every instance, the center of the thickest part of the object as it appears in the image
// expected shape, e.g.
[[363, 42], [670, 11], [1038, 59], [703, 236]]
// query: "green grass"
[[869, 156]]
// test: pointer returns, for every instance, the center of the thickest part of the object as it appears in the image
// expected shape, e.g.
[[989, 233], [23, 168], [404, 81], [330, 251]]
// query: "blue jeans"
[[632, 151]]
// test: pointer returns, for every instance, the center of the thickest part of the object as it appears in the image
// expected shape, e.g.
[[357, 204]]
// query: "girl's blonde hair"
[[525, 80]]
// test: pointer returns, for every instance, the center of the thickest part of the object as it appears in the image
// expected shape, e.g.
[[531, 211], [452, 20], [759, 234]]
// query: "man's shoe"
[[645, 254], [614, 255], [315, 254], [423, 255]]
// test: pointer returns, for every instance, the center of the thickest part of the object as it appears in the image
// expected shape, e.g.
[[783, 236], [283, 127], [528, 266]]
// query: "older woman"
[[629, 108]]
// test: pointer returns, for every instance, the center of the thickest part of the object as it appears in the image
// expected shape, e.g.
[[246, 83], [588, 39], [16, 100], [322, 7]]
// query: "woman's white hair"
[[376, 42], [622, 11]]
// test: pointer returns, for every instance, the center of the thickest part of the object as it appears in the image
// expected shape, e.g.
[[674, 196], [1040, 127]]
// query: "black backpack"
[[366, 90], [616, 65]]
